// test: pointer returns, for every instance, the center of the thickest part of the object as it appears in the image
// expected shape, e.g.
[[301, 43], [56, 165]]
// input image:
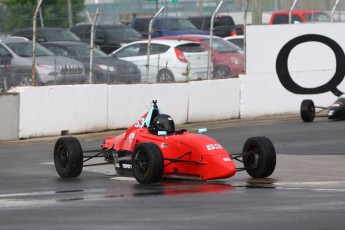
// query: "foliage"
[[18, 14]]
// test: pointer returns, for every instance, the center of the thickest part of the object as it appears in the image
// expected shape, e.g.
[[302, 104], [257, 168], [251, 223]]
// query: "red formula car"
[[151, 149]]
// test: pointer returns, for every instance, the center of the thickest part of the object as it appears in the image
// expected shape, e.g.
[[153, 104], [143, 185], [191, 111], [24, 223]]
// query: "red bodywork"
[[185, 154]]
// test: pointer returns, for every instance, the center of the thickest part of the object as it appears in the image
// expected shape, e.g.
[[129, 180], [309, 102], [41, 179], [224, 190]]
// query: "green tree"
[[54, 13]]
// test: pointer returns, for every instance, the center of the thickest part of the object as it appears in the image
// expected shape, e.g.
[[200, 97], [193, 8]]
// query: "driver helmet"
[[163, 122]]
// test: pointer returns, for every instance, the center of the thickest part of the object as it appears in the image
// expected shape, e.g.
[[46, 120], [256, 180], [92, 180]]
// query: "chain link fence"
[[16, 65], [124, 10]]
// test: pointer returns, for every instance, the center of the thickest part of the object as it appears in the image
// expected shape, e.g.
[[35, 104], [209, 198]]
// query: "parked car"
[[165, 26], [238, 29], [105, 69], [50, 69], [5, 69], [109, 37], [237, 40], [169, 61], [46, 34], [227, 58], [299, 16], [223, 26]]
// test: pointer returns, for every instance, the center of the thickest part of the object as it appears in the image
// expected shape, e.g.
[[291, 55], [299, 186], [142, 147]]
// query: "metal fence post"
[[149, 43], [245, 36], [291, 9], [210, 45], [333, 10], [92, 45], [33, 66]]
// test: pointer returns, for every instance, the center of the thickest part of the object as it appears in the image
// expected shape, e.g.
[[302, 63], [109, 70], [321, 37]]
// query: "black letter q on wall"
[[284, 74]]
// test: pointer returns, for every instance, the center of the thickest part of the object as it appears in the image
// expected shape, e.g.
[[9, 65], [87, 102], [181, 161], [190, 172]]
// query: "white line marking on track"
[[123, 178]]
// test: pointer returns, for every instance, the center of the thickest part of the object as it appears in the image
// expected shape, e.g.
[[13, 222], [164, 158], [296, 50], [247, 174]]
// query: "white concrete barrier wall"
[[126, 103], [56, 110], [213, 100], [263, 95], [9, 116], [51, 110]]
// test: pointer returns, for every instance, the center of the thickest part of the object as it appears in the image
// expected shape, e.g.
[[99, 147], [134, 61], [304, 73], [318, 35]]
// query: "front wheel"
[[147, 163], [307, 110], [68, 157], [260, 157]]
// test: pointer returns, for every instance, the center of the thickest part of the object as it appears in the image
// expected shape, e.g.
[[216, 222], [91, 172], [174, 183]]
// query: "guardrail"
[[90, 108]]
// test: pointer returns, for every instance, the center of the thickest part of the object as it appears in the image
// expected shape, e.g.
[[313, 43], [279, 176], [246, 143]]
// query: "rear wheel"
[[260, 157], [165, 76], [147, 163], [222, 72], [307, 110], [68, 157]]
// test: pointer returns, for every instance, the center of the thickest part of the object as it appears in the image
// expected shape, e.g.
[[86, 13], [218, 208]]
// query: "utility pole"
[[257, 12]]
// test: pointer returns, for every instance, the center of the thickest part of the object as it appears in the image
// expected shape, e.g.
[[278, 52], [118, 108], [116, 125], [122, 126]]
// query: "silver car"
[[50, 69]]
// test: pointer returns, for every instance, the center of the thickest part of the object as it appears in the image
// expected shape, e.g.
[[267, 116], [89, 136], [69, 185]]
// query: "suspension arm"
[[178, 159]]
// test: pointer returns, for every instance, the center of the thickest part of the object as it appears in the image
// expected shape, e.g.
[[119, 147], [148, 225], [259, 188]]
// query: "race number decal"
[[140, 123], [213, 146]]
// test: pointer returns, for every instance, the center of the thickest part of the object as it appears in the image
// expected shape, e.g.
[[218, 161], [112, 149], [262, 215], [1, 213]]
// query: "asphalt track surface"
[[306, 191]]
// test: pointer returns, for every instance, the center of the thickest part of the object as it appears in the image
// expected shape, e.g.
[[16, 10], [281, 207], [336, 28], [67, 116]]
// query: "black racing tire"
[[165, 76], [68, 157], [147, 163], [222, 72], [307, 110], [260, 157]]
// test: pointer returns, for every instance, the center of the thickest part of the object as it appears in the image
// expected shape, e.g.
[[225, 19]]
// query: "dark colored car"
[[165, 26], [46, 34], [105, 69], [5, 68], [109, 37], [223, 26]]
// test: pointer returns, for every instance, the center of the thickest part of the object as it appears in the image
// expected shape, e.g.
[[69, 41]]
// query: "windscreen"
[[177, 24], [83, 51], [121, 33], [191, 48], [222, 46], [317, 17], [220, 21], [61, 35], [24, 49]]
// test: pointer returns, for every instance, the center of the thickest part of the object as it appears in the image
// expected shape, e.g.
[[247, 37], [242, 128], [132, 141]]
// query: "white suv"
[[169, 60]]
